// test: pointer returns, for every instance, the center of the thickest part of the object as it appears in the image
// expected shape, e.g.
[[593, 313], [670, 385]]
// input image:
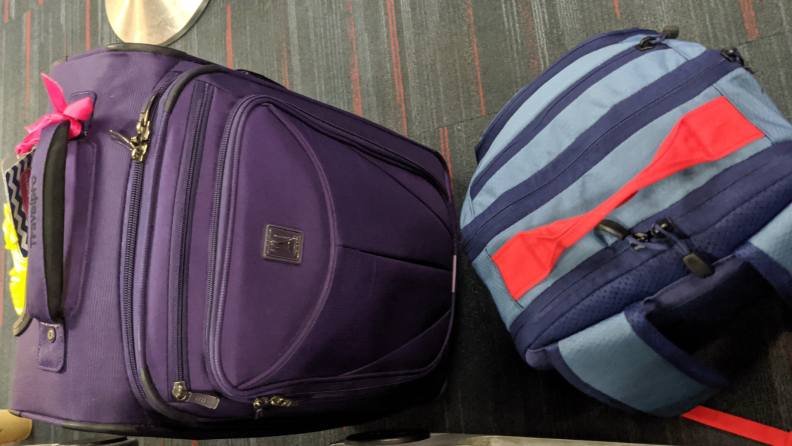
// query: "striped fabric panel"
[[538, 122], [538, 100], [632, 114], [618, 167], [526, 158], [515, 105]]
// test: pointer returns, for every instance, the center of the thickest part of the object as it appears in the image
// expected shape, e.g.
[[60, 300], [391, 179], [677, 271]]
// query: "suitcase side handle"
[[46, 223]]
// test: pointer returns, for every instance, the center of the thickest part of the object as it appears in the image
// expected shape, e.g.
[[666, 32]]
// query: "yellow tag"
[[18, 273]]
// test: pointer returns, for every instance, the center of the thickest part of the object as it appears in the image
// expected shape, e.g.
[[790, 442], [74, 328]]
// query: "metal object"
[[155, 22], [51, 335], [183, 394], [469, 440]]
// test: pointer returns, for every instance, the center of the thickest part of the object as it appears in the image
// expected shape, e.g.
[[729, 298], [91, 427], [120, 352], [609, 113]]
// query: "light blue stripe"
[[540, 100], [575, 119], [775, 239], [611, 358], [689, 50]]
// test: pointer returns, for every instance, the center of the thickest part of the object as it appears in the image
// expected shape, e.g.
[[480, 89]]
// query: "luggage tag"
[[17, 180]]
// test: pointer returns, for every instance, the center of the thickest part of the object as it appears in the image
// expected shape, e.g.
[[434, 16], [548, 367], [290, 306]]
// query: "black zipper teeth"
[[182, 273], [612, 129], [129, 267], [129, 255]]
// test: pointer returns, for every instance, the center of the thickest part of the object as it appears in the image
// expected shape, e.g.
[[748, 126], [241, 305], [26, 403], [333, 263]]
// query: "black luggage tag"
[[17, 180]]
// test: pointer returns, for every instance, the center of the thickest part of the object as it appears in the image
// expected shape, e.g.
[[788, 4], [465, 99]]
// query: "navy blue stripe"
[[764, 174], [586, 47], [552, 110], [559, 364], [777, 275], [682, 361], [615, 127]]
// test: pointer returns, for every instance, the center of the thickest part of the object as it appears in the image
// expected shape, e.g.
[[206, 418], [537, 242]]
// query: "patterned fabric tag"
[[17, 186]]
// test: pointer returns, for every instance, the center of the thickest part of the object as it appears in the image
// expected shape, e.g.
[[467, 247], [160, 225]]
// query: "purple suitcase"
[[261, 264]]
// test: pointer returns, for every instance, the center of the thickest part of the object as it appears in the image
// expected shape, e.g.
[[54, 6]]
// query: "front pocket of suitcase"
[[270, 248], [274, 260]]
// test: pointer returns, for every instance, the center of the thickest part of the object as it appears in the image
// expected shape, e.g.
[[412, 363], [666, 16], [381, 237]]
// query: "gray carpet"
[[439, 71]]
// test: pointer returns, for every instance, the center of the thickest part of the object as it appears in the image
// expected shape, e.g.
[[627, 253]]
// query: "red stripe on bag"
[[707, 133], [740, 426]]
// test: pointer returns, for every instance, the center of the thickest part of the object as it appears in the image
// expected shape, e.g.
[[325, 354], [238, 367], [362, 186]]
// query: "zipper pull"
[[183, 395], [139, 143], [259, 404], [732, 55]]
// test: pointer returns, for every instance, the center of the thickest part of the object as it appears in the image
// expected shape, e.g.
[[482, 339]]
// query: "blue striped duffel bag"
[[631, 207]]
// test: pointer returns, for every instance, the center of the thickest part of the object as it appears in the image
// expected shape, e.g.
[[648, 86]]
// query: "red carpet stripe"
[[750, 19], [229, 43], [285, 66], [444, 138], [6, 11], [475, 54], [396, 59], [87, 25], [354, 75], [529, 35], [616, 5]]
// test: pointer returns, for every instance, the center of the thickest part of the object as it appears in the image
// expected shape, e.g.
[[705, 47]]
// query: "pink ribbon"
[[74, 113]]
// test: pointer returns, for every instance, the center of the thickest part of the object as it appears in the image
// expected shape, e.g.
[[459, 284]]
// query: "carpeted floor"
[[438, 71]]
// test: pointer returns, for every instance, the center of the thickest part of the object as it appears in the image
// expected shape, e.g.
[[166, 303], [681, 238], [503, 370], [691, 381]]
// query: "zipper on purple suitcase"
[[138, 146]]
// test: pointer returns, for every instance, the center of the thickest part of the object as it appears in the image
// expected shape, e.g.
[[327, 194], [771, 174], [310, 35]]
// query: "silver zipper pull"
[[183, 395], [259, 404]]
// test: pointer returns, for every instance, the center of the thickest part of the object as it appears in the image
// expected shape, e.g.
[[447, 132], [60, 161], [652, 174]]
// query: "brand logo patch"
[[282, 244]]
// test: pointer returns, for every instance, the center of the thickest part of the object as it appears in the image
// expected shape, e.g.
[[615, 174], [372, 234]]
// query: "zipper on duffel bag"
[[660, 236]]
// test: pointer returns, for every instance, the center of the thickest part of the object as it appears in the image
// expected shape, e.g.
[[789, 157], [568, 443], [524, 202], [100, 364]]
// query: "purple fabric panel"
[[51, 347], [278, 184], [371, 310], [92, 386], [222, 103], [371, 224], [238, 84], [36, 288], [158, 355]]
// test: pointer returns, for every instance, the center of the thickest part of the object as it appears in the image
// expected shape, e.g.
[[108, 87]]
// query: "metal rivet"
[[51, 335]]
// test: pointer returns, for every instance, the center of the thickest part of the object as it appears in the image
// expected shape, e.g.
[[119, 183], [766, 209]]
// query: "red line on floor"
[[27, 67], [396, 58], [285, 66], [448, 158], [750, 19], [445, 150], [229, 43], [475, 54], [6, 11], [87, 25], [41, 2], [529, 35], [354, 75], [194, 443], [616, 5]]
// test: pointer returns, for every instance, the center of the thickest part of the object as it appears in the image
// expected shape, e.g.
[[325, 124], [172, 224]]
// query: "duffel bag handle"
[[45, 225]]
